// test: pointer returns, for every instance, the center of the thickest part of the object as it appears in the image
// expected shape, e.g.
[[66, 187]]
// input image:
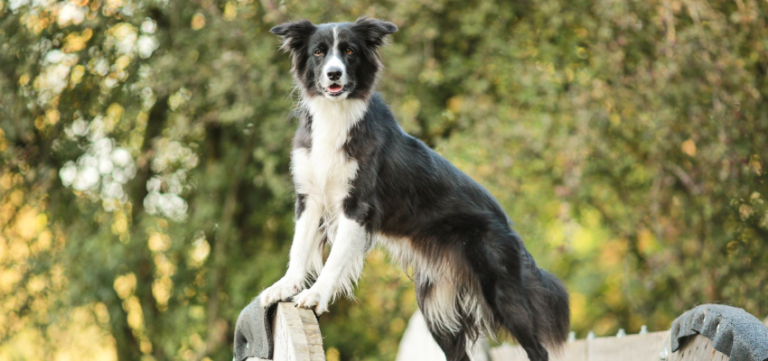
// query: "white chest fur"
[[324, 173]]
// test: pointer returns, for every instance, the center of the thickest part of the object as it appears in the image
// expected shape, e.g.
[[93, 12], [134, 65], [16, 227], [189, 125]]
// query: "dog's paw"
[[313, 299], [280, 291]]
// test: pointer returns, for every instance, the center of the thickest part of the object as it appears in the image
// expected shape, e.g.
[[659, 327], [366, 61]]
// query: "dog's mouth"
[[335, 89]]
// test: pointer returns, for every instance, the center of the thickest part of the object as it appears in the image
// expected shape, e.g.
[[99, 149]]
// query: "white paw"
[[314, 299], [280, 291]]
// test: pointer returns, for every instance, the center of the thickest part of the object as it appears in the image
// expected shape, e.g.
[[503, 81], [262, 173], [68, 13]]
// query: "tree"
[[145, 189]]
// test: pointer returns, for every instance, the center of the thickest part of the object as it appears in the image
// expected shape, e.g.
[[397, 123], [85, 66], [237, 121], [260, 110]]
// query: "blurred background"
[[145, 195]]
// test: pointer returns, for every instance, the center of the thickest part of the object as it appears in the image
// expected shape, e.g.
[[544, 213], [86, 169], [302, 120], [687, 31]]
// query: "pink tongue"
[[334, 88]]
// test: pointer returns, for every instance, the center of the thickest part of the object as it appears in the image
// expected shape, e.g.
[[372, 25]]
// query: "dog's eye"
[[318, 52], [349, 51]]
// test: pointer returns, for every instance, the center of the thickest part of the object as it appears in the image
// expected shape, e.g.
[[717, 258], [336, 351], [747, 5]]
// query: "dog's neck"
[[334, 118]]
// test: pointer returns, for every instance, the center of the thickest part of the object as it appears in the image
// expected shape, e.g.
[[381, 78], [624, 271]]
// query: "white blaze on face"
[[334, 61]]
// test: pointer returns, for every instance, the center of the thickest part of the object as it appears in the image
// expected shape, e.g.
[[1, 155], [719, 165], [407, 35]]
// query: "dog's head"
[[336, 60]]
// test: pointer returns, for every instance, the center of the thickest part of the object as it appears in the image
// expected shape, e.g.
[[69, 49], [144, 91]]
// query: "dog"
[[361, 180]]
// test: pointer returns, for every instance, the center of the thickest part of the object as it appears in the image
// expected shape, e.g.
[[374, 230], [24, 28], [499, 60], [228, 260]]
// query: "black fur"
[[404, 190]]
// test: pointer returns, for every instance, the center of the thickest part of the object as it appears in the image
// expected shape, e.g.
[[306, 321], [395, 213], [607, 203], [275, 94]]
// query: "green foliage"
[[145, 195]]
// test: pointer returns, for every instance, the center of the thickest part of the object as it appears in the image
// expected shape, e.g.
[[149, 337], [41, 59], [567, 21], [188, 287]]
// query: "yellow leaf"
[[74, 42], [102, 313], [135, 314], [745, 212], [52, 116], [24, 79], [86, 34], [689, 147], [161, 289], [454, 104], [332, 354], [615, 119], [198, 21], [159, 242], [230, 11], [124, 285], [120, 223], [76, 76], [646, 242], [755, 165], [114, 114]]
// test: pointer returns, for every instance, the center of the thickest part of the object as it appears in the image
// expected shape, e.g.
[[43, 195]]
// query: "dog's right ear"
[[373, 31], [294, 34]]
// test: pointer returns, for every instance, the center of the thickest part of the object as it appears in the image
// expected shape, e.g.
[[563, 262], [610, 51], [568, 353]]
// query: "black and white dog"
[[360, 179]]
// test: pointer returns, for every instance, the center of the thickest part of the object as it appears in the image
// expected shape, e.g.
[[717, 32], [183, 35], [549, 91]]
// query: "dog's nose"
[[334, 74]]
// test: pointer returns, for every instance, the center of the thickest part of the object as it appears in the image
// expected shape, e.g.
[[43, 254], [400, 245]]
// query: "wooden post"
[[297, 334], [648, 347], [627, 348]]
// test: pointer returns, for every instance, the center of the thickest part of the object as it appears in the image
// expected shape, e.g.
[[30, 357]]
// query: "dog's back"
[[472, 271]]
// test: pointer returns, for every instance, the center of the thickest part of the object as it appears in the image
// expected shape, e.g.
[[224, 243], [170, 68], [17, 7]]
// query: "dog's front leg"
[[306, 255], [342, 268]]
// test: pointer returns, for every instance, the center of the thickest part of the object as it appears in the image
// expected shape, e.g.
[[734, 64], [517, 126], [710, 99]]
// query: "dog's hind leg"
[[500, 271], [454, 345], [513, 310], [438, 304]]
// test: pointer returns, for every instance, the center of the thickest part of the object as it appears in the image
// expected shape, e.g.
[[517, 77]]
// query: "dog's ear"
[[372, 30], [294, 34]]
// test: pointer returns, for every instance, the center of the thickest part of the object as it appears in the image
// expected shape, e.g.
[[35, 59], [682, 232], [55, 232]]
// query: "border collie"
[[361, 180]]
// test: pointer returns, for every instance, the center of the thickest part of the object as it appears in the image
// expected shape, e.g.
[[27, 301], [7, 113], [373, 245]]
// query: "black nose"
[[334, 74]]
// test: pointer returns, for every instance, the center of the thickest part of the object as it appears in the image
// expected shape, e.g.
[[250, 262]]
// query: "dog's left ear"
[[294, 34], [372, 30]]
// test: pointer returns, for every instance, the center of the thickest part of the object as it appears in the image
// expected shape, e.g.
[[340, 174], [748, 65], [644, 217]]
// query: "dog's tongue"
[[335, 88]]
